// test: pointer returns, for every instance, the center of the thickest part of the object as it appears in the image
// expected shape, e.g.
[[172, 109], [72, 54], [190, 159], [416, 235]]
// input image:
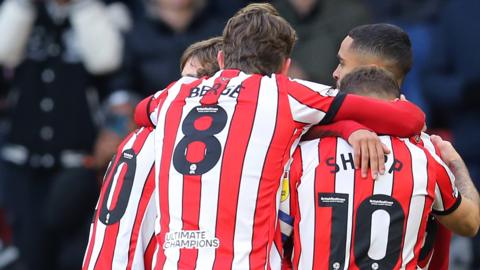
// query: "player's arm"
[[313, 103], [400, 118], [464, 219], [143, 111]]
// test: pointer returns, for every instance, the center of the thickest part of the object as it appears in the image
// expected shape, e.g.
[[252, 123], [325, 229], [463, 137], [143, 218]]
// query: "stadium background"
[[445, 82]]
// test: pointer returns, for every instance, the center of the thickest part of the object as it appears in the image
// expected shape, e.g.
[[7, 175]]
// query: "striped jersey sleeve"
[[447, 197], [146, 110], [122, 230], [311, 103]]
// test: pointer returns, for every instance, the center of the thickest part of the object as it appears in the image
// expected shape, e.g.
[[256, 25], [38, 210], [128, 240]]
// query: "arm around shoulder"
[[397, 118]]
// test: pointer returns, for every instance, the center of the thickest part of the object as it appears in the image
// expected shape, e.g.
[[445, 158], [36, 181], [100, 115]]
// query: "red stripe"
[[105, 258], [192, 183], [277, 156], [441, 249], [324, 182], [149, 252], [296, 171], [402, 184], [118, 187], [444, 185], [142, 207], [103, 193], [235, 149], [172, 122]]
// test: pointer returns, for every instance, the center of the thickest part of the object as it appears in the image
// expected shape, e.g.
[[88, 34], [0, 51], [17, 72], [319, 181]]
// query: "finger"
[[402, 97], [365, 158], [381, 158], [374, 164], [386, 150], [356, 155]]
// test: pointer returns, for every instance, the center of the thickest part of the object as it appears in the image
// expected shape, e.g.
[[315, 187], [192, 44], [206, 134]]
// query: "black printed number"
[[363, 230], [214, 119], [109, 217]]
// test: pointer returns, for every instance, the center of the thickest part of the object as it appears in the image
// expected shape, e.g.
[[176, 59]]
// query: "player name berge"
[[190, 239]]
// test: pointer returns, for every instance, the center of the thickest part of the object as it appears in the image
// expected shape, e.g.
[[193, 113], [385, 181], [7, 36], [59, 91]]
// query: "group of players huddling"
[[238, 166]]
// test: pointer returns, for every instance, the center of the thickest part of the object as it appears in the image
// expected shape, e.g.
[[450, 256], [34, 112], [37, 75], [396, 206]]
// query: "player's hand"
[[447, 151], [368, 150]]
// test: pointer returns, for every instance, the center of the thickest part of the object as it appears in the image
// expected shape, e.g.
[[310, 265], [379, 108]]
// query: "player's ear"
[[286, 66], [220, 59]]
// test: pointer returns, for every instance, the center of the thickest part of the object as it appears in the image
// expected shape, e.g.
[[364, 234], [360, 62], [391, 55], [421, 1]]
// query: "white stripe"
[[261, 136], [417, 203], [99, 236], [381, 219], [345, 183], [147, 231], [306, 194], [427, 143], [383, 184], [155, 254], [210, 184], [275, 258], [438, 201], [317, 87]]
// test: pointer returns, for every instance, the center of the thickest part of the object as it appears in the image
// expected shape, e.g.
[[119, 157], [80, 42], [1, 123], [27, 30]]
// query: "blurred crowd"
[[71, 72]]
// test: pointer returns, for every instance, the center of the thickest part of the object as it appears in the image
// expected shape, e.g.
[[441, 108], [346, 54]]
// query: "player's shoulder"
[[323, 89], [424, 141], [328, 142]]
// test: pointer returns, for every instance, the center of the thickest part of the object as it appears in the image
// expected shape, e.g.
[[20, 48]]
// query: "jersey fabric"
[[218, 165], [220, 147], [122, 231], [435, 252], [342, 221]]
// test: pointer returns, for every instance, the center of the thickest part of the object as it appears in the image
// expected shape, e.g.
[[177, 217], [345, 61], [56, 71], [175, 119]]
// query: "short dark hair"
[[257, 40], [206, 53], [370, 81], [386, 41]]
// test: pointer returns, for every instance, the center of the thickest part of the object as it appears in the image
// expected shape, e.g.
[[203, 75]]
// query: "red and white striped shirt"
[[342, 221], [221, 147], [218, 165], [122, 232]]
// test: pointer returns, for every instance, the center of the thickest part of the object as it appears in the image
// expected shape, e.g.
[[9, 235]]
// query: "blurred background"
[[71, 72]]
